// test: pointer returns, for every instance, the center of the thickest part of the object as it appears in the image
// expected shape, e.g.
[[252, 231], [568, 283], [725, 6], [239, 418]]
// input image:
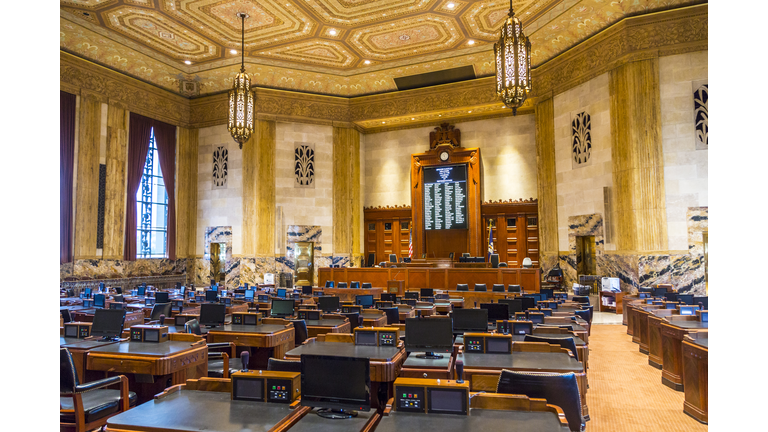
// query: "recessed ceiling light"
[[332, 32], [383, 122], [233, 51], [187, 62], [450, 5], [471, 42], [469, 112], [412, 118], [367, 62]]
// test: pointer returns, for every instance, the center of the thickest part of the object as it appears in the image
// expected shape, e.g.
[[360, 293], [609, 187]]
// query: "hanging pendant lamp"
[[513, 63], [241, 100]]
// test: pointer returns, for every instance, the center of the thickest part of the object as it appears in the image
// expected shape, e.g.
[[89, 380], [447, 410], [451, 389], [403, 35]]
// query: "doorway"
[[585, 255], [303, 257]]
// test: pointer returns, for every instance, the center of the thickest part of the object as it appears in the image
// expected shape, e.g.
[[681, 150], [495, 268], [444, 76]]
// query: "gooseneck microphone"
[[244, 356], [459, 371]]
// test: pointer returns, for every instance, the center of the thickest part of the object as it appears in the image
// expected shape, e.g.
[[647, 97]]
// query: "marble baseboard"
[[116, 269]]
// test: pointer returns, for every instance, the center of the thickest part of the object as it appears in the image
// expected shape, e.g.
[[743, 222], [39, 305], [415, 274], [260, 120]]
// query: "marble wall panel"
[[112, 269]]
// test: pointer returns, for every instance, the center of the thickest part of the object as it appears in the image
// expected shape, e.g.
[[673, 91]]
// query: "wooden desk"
[[150, 365], [672, 334], [414, 367], [374, 321], [655, 319], [477, 420], [386, 362], [425, 311], [326, 325], [348, 294], [189, 410], [695, 367], [131, 318], [271, 340]]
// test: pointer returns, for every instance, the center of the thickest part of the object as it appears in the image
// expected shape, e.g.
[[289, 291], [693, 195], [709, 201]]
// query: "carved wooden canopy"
[[445, 134]]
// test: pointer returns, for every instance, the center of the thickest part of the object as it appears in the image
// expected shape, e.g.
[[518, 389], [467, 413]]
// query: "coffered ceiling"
[[337, 47]]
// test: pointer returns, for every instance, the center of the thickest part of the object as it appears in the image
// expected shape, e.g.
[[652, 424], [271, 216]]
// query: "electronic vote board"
[[445, 197]]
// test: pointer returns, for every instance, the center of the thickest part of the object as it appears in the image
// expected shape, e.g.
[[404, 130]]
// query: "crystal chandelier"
[[241, 100], [513, 63]]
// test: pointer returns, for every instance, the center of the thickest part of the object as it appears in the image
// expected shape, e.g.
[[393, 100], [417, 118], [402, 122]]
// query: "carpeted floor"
[[625, 393]]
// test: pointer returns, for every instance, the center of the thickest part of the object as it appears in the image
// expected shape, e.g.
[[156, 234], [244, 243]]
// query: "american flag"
[[490, 241], [410, 241]]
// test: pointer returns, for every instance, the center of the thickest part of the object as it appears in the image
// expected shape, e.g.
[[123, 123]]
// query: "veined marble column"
[[346, 192], [115, 187], [638, 163], [259, 191], [546, 182], [87, 189], [186, 195]]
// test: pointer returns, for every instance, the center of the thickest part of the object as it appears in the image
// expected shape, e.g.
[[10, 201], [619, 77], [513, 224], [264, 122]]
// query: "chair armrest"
[[93, 385], [232, 347], [216, 355]]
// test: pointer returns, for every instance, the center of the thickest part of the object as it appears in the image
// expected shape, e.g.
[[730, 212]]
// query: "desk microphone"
[[162, 319], [360, 320], [460, 371], [244, 360]]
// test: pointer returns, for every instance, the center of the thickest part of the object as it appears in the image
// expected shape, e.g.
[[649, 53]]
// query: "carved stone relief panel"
[[304, 165], [220, 167], [581, 139], [701, 114]]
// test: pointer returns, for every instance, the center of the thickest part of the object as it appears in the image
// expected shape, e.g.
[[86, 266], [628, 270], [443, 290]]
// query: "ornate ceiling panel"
[[339, 47]]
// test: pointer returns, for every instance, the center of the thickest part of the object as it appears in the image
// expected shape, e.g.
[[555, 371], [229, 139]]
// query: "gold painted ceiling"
[[337, 47]]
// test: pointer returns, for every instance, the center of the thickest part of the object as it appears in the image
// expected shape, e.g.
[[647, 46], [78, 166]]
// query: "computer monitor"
[[281, 292], [431, 335], [115, 305], [281, 308], [536, 318], [522, 327], [658, 292], [141, 290], [643, 295], [389, 297], [496, 311], [470, 320], [688, 310], [365, 300], [108, 323], [211, 295], [182, 290], [427, 292], [249, 295], [685, 298], [528, 303], [322, 388], [306, 290], [514, 305], [704, 300], [670, 296], [99, 300], [328, 303], [548, 293], [161, 297], [263, 298], [212, 314], [412, 295]]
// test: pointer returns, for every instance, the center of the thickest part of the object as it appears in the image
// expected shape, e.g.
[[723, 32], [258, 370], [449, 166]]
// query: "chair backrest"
[[353, 318], [342, 285], [450, 256], [393, 315], [581, 299], [495, 260], [392, 258], [67, 373], [503, 264], [586, 315], [274, 364], [462, 287], [66, 315], [558, 389], [371, 259], [671, 296], [160, 309], [193, 327], [527, 263], [686, 298], [329, 284], [514, 288], [480, 287], [497, 288], [367, 285], [300, 331], [565, 342], [354, 284], [465, 255], [118, 298]]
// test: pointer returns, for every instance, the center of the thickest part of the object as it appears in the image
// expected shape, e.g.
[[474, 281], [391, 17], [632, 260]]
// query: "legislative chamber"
[[327, 215]]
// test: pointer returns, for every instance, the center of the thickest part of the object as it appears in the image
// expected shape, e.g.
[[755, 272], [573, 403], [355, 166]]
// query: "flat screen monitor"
[[367, 338], [430, 335], [108, 323], [322, 388], [670, 296], [427, 292], [211, 295], [281, 308], [643, 295], [685, 298], [248, 389], [281, 292], [548, 293], [141, 290], [522, 327], [514, 305], [389, 297], [498, 345], [263, 298], [115, 305], [496, 311], [249, 295], [412, 295], [328, 303], [536, 318], [658, 292], [445, 197], [161, 297], [704, 300], [365, 300], [212, 314], [528, 303], [688, 310], [99, 300], [446, 401], [306, 289], [470, 320]]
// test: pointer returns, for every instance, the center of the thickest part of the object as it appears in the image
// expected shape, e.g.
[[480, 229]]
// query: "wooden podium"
[[396, 287]]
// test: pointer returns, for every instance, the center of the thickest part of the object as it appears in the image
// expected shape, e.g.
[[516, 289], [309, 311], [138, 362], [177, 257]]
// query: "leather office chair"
[[383, 264], [193, 327], [354, 318], [495, 260], [219, 362], [503, 264], [586, 315], [462, 287], [367, 285], [329, 284], [497, 288], [480, 287], [581, 299], [393, 315], [118, 290], [671, 296], [118, 298], [565, 342], [66, 315], [686, 298], [392, 258], [527, 263], [342, 285], [704, 300], [558, 389], [300, 331], [465, 255], [159, 309], [84, 407], [514, 288], [274, 364], [450, 256], [354, 284]]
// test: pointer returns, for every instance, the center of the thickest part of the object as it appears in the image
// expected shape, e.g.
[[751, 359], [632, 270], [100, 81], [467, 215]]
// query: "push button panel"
[[410, 399], [473, 345], [387, 339], [278, 390], [85, 331], [136, 335]]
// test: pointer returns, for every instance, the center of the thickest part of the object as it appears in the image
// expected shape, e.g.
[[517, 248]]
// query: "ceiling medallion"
[[241, 100], [513, 63]]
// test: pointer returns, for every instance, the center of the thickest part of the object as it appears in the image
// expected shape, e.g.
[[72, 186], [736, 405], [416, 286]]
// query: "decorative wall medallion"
[[189, 87], [701, 115], [220, 161], [304, 165], [581, 139]]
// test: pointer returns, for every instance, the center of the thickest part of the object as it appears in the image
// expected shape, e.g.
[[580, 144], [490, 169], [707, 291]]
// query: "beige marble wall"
[[507, 146], [311, 206], [218, 207], [685, 167], [580, 188]]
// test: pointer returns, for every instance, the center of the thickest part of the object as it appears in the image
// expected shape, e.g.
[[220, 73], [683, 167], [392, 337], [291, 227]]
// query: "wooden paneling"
[[87, 187], [381, 240], [186, 216], [514, 235], [115, 187], [440, 243]]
